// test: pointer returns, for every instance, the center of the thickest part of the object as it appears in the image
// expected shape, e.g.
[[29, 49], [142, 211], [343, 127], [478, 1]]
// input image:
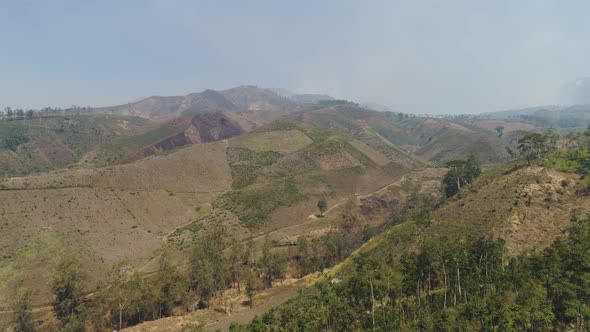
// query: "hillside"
[[398, 135], [139, 203], [105, 214], [266, 179], [479, 251], [169, 107], [53, 142], [156, 188]]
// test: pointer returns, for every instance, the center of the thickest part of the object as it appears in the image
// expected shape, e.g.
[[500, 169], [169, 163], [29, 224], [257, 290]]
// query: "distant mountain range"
[[547, 116], [235, 99]]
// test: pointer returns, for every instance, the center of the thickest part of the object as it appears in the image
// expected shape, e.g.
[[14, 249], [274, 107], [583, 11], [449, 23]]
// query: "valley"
[[155, 187]]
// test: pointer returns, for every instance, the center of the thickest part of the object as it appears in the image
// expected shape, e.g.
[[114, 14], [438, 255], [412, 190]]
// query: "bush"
[[583, 186]]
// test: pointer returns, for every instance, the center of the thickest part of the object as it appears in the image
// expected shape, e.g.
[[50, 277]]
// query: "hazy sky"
[[417, 56]]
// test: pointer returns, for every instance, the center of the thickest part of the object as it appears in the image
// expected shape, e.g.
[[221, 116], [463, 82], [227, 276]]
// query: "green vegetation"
[[67, 285], [461, 172], [322, 206], [23, 318], [127, 145], [129, 298], [575, 158], [11, 138], [448, 285], [570, 161], [245, 163], [531, 146], [37, 144], [255, 204]]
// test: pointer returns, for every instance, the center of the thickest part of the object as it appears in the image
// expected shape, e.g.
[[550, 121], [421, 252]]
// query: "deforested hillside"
[[106, 215], [333, 173]]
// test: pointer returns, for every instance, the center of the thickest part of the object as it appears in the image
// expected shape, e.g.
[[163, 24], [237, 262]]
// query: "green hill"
[[505, 254]]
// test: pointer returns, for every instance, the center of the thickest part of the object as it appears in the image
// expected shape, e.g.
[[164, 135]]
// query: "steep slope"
[[451, 270]]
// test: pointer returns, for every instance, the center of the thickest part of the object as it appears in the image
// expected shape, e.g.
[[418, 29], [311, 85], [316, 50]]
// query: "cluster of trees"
[[11, 138], [461, 172], [128, 298], [532, 146], [450, 286], [573, 157], [19, 114], [16, 114]]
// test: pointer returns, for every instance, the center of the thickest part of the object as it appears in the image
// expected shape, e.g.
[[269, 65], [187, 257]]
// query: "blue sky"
[[415, 56]]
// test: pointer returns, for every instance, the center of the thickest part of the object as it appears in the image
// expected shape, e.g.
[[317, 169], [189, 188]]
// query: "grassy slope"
[[320, 163]]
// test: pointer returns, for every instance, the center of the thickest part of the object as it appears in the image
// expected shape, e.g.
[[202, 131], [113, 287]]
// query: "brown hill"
[[239, 98]]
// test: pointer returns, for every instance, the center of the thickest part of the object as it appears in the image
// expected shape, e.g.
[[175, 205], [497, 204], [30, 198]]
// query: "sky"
[[415, 56]]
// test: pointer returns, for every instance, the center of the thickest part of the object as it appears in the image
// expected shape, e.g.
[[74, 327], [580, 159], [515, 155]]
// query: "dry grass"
[[528, 208], [106, 215], [284, 141], [376, 156]]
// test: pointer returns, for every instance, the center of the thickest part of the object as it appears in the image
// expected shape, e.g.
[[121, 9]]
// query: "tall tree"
[[23, 318], [531, 146], [170, 284], [67, 285], [461, 172], [251, 285], [237, 259], [208, 267]]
